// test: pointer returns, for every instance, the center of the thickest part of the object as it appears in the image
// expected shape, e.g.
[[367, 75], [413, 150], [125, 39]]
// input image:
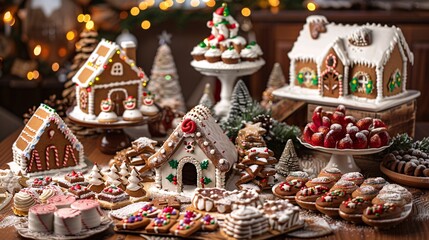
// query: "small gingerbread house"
[[46, 144], [109, 73], [197, 154], [364, 62]]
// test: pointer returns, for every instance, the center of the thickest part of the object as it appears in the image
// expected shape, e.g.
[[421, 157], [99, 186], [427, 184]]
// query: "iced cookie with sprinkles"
[[310, 194], [383, 211], [288, 188], [190, 214], [366, 192], [330, 202], [113, 197], [345, 185], [148, 210], [40, 182], [185, 227], [71, 179], [377, 182], [134, 221], [169, 212], [209, 223], [354, 205], [160, 225], [355, 177]]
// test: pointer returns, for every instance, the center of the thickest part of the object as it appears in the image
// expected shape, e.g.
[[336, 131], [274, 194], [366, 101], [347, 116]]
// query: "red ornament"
[[105, 66], [189, 126], [88, 89]]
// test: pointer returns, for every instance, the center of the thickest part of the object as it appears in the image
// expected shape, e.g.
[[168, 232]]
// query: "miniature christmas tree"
[[135, 186], [240, 101], [257, 169], [276, 80], [249, 137], [207, 99], [113, 178], [289, 161], [84, 47], [124, 172], [165, 80], [96, 183]]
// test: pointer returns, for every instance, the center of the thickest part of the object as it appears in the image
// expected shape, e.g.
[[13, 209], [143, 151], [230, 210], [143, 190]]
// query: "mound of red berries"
[[336, 130]]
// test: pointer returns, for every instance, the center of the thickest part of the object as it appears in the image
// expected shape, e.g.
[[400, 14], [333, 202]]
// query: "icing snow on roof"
[[383, 41]]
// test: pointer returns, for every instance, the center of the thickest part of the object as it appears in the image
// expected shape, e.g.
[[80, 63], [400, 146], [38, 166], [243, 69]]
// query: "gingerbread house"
[[363, 62], [46, 145], [197, 154], [109, 73]]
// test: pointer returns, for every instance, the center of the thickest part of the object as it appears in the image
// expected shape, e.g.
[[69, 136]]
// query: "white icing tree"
[[288, 161], [113, 176], [277, 78], [134, 181], [95, 177], [207, 99], [240, 100], [164, 81], [124, 172]]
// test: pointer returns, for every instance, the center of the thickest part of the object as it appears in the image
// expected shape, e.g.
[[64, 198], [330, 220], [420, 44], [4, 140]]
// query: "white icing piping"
[[117, 90], [180, 168], [379, 73]]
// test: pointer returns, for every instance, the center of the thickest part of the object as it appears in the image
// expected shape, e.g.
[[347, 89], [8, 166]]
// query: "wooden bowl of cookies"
[[412, 181]]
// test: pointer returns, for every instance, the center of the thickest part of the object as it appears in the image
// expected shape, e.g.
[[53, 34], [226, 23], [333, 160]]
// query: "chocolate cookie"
[[419, 170], [426, 172], [409, 168], [394, 165], [401, 166]]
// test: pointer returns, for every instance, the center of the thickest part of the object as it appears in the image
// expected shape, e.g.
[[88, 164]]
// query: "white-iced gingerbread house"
[[46, 144], [197, 154], [364, 62], [109, 73]]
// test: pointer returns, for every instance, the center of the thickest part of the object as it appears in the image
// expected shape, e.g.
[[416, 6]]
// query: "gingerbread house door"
[[118, 95], [188, 173], [331, 85]]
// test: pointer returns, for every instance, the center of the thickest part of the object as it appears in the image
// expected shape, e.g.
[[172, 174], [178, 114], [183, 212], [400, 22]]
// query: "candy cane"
[[69, 150], [35, 155], [57, 160]]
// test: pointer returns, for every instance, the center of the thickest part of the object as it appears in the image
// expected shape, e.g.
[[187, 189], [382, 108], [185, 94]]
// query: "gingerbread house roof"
[[98, 61], [199, 124], [35, 127], [383, 40]]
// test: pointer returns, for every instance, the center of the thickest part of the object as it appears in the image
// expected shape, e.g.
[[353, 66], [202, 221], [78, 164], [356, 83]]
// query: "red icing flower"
[[189, 126]]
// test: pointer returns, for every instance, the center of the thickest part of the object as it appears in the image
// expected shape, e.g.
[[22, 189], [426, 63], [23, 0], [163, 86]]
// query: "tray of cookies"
[[409, 167]]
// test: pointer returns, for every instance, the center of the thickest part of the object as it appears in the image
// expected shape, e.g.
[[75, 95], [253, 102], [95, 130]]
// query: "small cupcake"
[[256, 48], [213, 55], [23, 200], [333, 173], [355, 177], [248, 54], [365, 192], [230, 56], [289, 188], [199, 51], [238, 43], [224, 45]]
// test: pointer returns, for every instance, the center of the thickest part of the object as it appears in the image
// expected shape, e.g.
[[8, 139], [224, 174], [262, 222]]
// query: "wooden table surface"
[[412, 228]]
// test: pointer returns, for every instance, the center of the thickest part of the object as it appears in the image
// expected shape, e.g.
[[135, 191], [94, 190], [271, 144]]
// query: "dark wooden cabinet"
[[276, 34]]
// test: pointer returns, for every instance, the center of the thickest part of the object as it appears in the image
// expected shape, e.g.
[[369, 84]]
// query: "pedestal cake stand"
[[343, 158], [113, 138], [227, 74]]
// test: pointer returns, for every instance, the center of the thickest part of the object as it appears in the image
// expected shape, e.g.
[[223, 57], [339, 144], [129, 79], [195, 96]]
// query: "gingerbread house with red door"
[[109, 73], [363, 62], [47, 145], [197, 154]]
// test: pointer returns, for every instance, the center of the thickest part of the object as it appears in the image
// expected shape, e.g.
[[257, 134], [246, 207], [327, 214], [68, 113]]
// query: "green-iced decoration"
[[300, 78], [173, 163], [354, 85], [203, 45], [369, 87], [315, 80], [171, 177], [206, 180], [204, 164], [398, 79]]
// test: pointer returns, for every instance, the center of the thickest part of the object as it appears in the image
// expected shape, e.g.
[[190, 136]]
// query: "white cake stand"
[[227, 74], [343, 158]]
